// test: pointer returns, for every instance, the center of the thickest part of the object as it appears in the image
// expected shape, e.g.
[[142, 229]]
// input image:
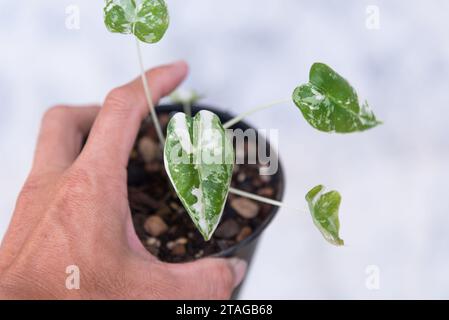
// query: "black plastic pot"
[[246, 248]]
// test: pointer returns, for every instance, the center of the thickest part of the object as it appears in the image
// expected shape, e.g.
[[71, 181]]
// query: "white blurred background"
[[394, 179]]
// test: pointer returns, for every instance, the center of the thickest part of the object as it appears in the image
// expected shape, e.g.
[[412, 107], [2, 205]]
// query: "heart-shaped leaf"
[[329, 103], [146, 19], [324, 210], [199, 158]]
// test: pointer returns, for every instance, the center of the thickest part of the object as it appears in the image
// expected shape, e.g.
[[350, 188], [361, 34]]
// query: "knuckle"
[[75, 184], [78, 179], [122, 103], [74, 195], [119, 98]]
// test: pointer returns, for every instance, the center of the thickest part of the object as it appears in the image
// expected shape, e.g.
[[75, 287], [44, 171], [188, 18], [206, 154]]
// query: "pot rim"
[[279, 194]]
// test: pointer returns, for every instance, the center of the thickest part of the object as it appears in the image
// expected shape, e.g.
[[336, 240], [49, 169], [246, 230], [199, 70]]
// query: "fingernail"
[[239, 268]]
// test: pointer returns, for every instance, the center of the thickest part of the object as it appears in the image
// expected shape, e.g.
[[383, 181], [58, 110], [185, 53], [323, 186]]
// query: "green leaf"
[[329, 103], [199, 158], [152, 21], [324, 210], [119, 15], [148, 20]]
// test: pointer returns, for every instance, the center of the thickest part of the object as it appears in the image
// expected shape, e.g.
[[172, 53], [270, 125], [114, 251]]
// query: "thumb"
[[210, 278], [115, 129]]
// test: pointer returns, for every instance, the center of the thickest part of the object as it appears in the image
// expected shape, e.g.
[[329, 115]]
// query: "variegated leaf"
[[329, 103], [146, 19], [199, 159], [324, 210]]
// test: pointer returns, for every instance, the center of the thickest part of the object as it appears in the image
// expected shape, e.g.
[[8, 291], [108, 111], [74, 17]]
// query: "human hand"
[[73, 210]]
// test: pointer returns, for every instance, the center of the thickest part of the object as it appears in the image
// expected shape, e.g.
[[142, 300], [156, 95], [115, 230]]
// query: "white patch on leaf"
[[182, 132]]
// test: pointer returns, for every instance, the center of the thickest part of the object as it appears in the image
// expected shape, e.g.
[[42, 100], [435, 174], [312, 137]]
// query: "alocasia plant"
[[328, 103], [199, 156]]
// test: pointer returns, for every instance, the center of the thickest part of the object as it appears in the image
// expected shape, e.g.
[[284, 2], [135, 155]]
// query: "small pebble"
[[228, 229], [148, 149], [241, 177], [182, 241], [244, 233], [245, 208], [153, 166], [176, 248], [153, 242], [179, 250], [170, 245], [155, 226], [266, 192]]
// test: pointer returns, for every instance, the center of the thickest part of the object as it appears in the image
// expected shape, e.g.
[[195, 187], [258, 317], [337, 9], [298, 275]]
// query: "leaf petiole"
[[242, 116], [256, 197], [148, 96]]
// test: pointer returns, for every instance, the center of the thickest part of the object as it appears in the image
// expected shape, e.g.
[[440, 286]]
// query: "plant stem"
[[256, 197], [148, 96], [187, 108], [240, 117]]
